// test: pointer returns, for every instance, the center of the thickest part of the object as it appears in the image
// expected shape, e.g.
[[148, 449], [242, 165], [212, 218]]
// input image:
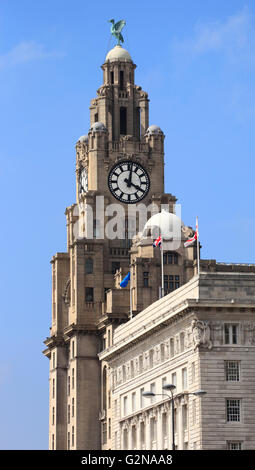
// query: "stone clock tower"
[[119, 164]]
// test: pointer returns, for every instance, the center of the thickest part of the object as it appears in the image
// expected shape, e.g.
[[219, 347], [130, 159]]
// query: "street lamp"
[[171, 387]]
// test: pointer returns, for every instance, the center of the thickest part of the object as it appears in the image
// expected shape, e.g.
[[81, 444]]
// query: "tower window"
[[89, 266], [89, 294], [112, 78], [170, 258], [145, 279], [96, 117], [121, 80], [123, 121]]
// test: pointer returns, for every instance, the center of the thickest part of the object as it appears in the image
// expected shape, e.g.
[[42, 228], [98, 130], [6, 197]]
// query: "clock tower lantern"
[[119, 165]]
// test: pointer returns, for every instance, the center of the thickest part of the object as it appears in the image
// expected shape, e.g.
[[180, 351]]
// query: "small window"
[[89, 266], [233, 410], [72, 407], [146, 279], [231, 333], [232, 371], [184, 417], [234, 445], [112, 78], [89, 294], [96, 117]]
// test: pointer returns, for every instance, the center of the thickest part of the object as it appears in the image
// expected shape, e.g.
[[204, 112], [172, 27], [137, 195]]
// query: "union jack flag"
[[157, 242]]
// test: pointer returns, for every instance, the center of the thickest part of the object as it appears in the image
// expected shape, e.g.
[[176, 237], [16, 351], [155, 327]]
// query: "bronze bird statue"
[[116, 29]]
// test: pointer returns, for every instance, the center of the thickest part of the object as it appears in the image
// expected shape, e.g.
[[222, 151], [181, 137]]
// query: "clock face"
[[83, 181], [129, 182]]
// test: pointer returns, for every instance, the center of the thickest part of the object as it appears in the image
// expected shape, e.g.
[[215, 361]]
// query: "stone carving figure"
[[201, 334]]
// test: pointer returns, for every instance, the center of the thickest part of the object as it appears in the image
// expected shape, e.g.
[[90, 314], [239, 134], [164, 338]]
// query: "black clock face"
[[129, 182]]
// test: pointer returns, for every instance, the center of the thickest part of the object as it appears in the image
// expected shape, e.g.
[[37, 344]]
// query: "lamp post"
[[171, 387]]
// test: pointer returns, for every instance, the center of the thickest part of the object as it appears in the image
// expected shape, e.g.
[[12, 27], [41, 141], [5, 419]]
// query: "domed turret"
[[98, 127], [154, 130], [118, 53], [83, 139]]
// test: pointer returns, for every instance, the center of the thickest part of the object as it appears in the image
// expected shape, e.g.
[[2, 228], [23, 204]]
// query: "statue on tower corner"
[[116, 29]]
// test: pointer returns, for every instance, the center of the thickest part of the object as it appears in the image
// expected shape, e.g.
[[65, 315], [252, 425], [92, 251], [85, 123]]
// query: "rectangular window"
[[174, 380], [153, 429], [142, 433], [53, 388], [72, 436], [231, 333], [72, 407], [104, 433], [73, 348], [133, 402], [68, 385], [89, 294], [184, 379], [133, 434], [123, 121], [72, 378], [153, 390], [53, 415], [141, 398], [172, 347], [109, 428], [68, 440], [52, 441], [233, 410], [234, 445], [232, 371], [53, 360], [164, 382], [194, 410], [146, 279], [68, 414], [184, 417], [125, 404]]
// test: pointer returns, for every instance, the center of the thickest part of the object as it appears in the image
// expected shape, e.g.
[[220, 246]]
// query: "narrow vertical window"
[[72, 378], [112, 77], [121, 80], [72, 436], [123, 121]]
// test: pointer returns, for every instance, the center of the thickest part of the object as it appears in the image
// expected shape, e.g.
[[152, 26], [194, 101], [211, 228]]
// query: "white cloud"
[[235, 37], [23, 52]]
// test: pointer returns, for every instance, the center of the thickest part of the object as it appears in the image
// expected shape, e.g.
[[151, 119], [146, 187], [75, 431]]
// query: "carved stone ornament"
[[201, 334], [187, 231], [103, 90]]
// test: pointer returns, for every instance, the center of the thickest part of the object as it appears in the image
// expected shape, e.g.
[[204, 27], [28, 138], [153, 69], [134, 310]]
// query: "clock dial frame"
[[128, 181], [83, 181]]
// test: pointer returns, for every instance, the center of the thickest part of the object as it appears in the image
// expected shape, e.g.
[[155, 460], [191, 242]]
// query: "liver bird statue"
[[116, 29]]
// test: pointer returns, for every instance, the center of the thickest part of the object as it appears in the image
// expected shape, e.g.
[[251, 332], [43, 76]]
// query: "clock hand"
[[130, 175], [138, 187]]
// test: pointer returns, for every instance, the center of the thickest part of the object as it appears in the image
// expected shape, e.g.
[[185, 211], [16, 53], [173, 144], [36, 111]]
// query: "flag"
[[157, 242], [125, 281], [191, 240]]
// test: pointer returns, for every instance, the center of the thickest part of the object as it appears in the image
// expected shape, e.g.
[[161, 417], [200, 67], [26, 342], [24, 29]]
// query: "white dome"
[[98, 126], [154, 130], [118, 53], [166, 224], [83, 138]]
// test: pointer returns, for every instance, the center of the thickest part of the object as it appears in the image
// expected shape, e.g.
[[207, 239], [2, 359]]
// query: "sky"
[[197, 62]]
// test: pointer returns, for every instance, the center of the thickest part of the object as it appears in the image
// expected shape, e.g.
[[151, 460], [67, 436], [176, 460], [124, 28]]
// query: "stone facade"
[[100, 350], [182, 339]]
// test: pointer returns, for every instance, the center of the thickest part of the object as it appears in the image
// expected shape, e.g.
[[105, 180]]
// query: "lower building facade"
[[200, 337]]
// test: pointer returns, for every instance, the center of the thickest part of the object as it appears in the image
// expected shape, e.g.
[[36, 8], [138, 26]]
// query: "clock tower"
[[119, 169]]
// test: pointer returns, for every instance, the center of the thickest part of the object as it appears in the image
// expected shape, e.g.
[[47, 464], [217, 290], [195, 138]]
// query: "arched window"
[[89, 266]]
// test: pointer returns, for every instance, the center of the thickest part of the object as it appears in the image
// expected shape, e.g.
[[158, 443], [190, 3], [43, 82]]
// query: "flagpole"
[[162, 268], [130, 296], [198, 251]]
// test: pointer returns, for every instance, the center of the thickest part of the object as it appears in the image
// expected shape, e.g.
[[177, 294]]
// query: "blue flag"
[[125, 281]]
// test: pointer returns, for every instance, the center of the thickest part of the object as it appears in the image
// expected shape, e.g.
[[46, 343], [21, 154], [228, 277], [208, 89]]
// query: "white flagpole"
[[162, 268], [198, 253], [130, 296]]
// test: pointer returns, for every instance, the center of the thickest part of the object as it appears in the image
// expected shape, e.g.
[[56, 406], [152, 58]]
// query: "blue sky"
[[197, 62]]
